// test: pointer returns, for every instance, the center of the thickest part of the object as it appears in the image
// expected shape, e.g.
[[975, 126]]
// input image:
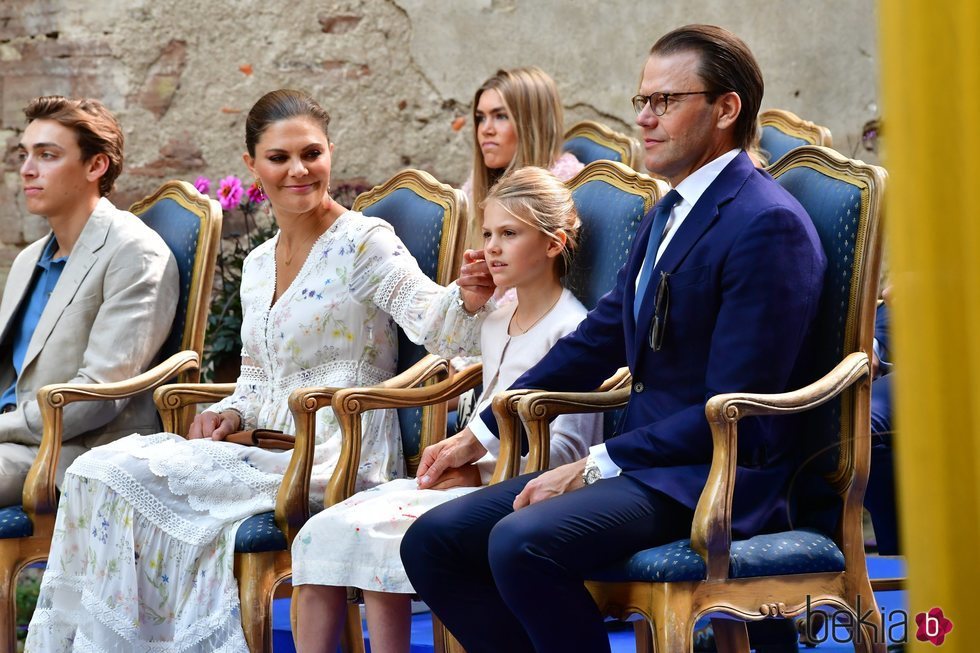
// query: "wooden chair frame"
[[671, 609], [40, 497], [626, 146]]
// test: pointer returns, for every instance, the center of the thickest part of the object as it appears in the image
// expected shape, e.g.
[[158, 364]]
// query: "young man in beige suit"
[[91, 302]]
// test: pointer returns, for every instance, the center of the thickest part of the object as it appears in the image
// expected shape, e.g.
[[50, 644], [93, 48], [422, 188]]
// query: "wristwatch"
[[591, 473]]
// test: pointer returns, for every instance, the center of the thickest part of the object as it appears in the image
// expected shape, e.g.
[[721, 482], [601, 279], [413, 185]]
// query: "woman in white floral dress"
[[142, 556]]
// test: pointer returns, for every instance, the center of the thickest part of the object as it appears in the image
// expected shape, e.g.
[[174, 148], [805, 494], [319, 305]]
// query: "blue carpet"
[[620, 635]]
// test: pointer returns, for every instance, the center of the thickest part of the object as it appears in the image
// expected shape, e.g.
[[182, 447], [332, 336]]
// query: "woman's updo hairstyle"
[[538, 198], [282, 105]]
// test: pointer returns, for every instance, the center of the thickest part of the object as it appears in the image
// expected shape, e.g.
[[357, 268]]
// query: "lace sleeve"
[[387, 275], [249, 393]]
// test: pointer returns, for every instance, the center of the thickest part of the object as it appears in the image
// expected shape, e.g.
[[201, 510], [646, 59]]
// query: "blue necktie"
[[660, 216]]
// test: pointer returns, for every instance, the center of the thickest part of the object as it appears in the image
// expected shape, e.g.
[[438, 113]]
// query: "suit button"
[[638, 387]]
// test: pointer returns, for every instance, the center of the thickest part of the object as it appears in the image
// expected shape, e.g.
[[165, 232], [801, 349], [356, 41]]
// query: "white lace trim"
[[210, 474], [144, 502], [221, 629]]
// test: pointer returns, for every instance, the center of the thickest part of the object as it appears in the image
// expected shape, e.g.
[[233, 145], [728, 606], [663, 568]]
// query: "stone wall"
[[397, 75]]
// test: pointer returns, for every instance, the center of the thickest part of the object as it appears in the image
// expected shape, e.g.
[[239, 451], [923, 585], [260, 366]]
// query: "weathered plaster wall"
[[394, 73]]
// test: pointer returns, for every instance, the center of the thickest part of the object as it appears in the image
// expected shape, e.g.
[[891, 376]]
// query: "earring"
[[258, 184]]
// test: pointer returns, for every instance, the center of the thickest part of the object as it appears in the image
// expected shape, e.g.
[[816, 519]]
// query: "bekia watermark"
[[839, 625]]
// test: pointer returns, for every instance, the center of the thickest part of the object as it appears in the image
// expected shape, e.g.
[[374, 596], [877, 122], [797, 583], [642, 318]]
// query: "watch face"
[[591, 475]]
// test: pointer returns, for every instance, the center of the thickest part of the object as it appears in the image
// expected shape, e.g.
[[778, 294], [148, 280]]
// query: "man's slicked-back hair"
[[97, 130], [727, 65]]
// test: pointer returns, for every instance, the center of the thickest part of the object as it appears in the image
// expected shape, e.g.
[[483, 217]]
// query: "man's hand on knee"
[[560, 480]]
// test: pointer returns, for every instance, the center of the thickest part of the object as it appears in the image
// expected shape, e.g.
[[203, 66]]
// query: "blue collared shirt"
[[30, 312]]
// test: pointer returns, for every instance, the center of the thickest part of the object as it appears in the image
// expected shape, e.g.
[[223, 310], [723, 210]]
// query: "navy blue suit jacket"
[[745, 270]]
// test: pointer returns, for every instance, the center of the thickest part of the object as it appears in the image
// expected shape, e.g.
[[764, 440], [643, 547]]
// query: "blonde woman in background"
[[517, 122]]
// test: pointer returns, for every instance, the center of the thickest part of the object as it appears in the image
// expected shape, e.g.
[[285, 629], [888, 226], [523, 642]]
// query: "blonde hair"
[[534, 107], [539, 199]]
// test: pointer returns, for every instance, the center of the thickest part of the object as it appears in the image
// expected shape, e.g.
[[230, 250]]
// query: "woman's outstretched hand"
[[452, 453], [214, 425], [476, 285]]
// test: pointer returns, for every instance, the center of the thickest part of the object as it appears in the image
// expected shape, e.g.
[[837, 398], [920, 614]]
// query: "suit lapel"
[[18, 283], [703, 215], [83, 257]]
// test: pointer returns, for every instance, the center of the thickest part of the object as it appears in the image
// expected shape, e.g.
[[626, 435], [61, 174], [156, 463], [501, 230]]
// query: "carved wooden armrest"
[[349, 404], [711, 532], [39, 495], [172, 398], [293, 498], [537, 410], [428, 367]]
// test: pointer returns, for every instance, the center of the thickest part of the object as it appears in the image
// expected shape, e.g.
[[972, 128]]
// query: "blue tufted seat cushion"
[[259, 533], [772, 554], [14, 522]]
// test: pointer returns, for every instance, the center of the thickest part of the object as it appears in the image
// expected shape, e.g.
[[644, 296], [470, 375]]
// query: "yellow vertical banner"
[[930, 63]]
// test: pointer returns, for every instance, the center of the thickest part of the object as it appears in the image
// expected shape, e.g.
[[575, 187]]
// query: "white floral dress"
[[142, 555]]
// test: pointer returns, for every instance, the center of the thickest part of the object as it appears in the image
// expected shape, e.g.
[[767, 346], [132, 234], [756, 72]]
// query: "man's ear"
[[729, 106], [97, 166]]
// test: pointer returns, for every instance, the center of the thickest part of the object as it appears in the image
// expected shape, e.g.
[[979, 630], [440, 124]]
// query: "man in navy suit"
[[718, 295]]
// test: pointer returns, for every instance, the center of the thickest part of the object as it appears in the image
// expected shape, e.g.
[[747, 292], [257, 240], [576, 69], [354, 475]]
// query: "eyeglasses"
[[660, 303], [659, 101]]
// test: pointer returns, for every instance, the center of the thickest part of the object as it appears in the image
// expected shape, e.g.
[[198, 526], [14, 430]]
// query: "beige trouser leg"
[[16, 461]]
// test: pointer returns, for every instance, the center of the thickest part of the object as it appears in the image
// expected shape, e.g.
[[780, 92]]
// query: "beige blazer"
[[105, 321]]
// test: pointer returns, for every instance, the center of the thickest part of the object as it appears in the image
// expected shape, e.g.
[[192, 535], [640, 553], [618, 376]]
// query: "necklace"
[[540, 317], [288, 259]]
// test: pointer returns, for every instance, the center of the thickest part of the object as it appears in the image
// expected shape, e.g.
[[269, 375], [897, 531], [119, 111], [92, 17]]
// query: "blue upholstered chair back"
[[190, 225], [777, 143], [587, 150], [611, 200], [840, 206], [782, 131], [591, 141], [426, 215]]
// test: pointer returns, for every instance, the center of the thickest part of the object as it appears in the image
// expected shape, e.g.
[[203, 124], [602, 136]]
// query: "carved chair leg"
[[730, 636], [643, 632], [443, 640], [675, 635], [352, 639], [8, 589], [256, 582]]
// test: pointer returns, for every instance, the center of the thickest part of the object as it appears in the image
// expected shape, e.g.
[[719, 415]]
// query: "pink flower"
[[202, 184], [255, 193], [229, 192]]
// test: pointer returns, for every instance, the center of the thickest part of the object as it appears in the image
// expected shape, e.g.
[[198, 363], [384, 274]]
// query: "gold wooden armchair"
[[783, 130], [190, 224], [675, 584], [592, 141], [427, 216]]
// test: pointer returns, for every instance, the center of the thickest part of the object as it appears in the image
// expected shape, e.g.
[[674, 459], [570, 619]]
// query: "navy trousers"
[[513, 581]]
